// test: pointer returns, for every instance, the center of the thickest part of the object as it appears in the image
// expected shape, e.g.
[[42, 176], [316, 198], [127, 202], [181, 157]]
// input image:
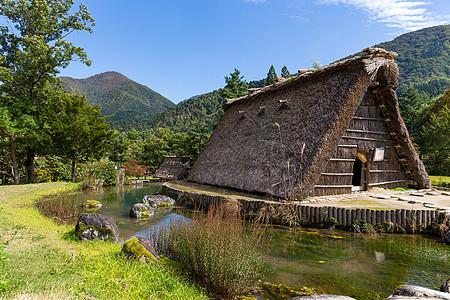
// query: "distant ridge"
[[423, 59], [118, 95]]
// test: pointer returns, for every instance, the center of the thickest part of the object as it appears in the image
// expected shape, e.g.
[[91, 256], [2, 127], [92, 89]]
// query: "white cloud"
[[406, 15], [255, 1]]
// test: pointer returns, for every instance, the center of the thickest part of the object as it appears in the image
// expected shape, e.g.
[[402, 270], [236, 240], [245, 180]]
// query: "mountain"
[[118, 95], [423, 59], [204, 109]]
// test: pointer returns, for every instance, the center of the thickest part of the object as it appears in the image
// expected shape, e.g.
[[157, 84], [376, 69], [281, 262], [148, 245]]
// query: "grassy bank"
[[42, 260], [440, 180]]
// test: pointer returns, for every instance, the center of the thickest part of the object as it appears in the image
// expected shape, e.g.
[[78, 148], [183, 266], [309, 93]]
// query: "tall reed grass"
[[218, 249], [64, 207]]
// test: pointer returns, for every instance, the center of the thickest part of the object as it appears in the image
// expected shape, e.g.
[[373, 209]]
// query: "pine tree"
[[285, 72], [271, 76], [236, 86]]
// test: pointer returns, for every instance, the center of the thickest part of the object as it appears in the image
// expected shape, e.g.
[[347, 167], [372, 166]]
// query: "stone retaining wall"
[[393, 220]]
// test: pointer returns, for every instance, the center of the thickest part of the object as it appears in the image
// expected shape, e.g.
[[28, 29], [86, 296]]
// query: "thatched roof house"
[[172, 168], [321, 132]]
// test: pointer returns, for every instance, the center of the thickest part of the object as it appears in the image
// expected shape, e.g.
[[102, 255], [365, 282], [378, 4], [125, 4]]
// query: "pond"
[[333, 262]]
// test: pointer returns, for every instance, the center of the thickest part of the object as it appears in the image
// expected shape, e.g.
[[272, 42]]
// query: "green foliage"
[[205, 109], [434, 137], [271, 76], [331, 222], [144, 151], [317, 65], [196, 140], [285, 72], [33, 46], [52, 168], [257, 84], [102, 169], [77, 129], [217, 249], [236, 86], [413, 107], [423, 54], [118, 96]]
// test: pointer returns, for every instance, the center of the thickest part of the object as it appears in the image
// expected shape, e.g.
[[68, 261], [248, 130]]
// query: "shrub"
[[103, 169], [52, 168], [216, 248]]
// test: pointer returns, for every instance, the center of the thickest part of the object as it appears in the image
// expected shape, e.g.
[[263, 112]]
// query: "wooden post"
[[358, 215], [369, 218], [312, 214], [388, 216], [307, 214], [349, 217], [398, 217], [378, 214], [403, 218], [409, 225], [353, 215], [363, 216], [339, 216], [344, 217]]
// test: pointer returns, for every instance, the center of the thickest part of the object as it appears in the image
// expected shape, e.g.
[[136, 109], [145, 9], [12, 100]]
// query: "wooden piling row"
[[404, 220]]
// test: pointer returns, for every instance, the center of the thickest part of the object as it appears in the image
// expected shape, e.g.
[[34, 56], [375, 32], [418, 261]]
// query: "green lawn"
[[42, 260], [438, 180]]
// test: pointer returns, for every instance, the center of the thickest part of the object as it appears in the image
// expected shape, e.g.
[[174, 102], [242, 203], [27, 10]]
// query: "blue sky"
[[182, 48]]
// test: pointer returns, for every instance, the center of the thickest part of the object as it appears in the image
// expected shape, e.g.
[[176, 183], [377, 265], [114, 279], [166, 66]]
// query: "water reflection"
[[164, 218]]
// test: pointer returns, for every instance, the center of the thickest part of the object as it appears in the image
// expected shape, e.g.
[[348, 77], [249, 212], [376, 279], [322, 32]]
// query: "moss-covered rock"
[[92, 204], [281, 291], [138, 248], [158, 201], [141, 210], [96, 227]]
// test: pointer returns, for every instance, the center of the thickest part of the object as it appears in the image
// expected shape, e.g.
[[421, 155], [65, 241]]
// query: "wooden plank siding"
[[367, 130]]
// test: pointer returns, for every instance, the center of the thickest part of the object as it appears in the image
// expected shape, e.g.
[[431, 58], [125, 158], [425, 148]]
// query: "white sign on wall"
[[378, 154]]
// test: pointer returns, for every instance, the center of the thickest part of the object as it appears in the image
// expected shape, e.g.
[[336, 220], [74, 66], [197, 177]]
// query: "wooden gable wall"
[[368, 129]]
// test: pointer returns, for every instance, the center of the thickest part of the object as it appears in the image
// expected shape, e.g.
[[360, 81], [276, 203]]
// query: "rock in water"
[[92, 204], [141, 210], [418, 291], [138, 248], [158, 200], [323, 297], [96, 227], [445, 287]]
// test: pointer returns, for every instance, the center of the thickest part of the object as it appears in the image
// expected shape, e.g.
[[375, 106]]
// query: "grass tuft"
[[63, 207], [217, 249]]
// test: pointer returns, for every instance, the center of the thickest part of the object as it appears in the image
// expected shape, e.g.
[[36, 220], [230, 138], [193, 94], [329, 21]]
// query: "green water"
[[354, 265], [357, 266]]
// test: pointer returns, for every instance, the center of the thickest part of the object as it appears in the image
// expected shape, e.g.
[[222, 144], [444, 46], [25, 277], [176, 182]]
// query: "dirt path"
[[387, 199]]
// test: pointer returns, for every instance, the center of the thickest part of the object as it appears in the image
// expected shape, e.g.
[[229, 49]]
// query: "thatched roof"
[[172, 168], [276, 140]]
